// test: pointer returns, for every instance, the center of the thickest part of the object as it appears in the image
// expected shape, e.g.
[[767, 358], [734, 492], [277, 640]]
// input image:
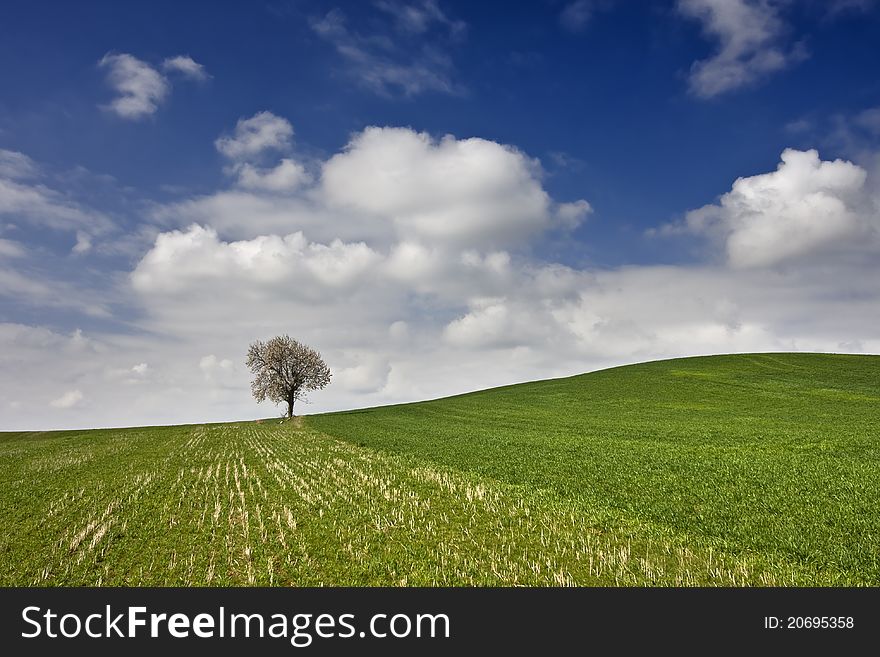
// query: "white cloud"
[[83, 243], [262, 132], [368, 375], [572, 215], [15, 165], [419, 17], [43, 206], [488, 324], [399, 331], [11, 249], [575, 15], [414, 263], [242, 213], [37, 291], [416, 311], [396, 339], [409, 262], [187, 66], [379, 63], [288, 175], [27, 201], [135, 375], [388, 186], [470, 191], [869, 120], [68, 400], [180, 259], [213, 368], [751, 38], [21, 341], [842, 6], [141, 88], [804, 208]]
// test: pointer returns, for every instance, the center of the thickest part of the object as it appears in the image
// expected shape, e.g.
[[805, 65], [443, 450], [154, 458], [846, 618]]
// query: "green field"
[[728, 470]]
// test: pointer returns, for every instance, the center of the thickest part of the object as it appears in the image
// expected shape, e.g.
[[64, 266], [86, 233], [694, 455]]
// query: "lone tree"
[[284, 370]]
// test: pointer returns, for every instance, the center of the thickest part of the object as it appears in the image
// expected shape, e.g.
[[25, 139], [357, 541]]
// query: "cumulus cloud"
[[466, 191], [287, 175], [216, 370], [387, 186], [181, 258], [253, 136], [247, 213], [252, 141], [83, 243], [369, 374], [140, 87], [68, 400], [490, 323], [572, 214], [410, 262], [413, 311], [806, 207], [399, 331], [134, 375], [751, 40], [393, 338], [187, 66]]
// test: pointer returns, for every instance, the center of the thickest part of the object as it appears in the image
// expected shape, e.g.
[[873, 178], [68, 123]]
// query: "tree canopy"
[[285, 370]]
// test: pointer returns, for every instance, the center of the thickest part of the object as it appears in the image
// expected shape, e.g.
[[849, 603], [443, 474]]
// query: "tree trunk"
[[289, 409]]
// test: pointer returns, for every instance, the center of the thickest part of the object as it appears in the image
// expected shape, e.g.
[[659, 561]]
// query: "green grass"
[[730, 470], [776, 455]]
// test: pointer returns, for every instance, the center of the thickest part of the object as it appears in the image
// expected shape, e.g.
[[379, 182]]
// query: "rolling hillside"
[[729, 470], [777, 454]]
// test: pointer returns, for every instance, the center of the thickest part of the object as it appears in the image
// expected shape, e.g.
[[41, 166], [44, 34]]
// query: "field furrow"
[[280, 504]]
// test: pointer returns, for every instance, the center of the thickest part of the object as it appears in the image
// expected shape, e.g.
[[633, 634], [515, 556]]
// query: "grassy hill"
[[730, 470]]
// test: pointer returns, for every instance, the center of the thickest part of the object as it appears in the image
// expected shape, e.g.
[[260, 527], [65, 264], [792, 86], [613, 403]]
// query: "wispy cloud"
[[752, 44], [10, 249], [575, 15], [420, 17], [43, 206], [415, 62], [834, 7], [16, 165], [429, 244]]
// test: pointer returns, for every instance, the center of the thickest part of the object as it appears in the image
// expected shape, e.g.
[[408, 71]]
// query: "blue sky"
[[482, 193]]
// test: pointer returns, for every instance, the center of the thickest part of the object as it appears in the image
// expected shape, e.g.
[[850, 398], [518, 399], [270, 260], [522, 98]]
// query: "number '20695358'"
[[808, 622]]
